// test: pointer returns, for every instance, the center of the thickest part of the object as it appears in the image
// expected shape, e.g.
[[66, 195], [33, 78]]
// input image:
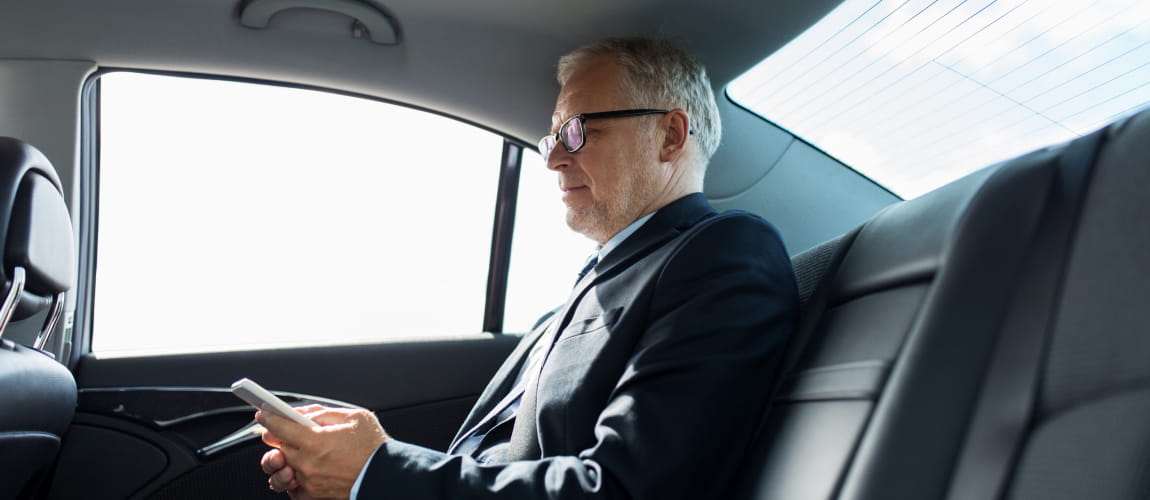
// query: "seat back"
[[906, 314], [1087, 432], [37, 394]]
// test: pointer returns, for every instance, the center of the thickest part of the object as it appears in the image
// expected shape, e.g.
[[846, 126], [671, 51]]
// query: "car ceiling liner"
[[370, 21]]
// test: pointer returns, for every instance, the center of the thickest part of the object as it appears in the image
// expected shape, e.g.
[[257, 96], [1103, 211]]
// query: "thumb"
[[286, 430]]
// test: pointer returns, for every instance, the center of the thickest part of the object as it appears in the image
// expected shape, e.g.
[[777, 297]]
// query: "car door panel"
[[167, 417]]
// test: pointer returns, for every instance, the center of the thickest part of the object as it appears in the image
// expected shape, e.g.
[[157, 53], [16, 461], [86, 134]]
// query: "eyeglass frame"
[[583, 117]]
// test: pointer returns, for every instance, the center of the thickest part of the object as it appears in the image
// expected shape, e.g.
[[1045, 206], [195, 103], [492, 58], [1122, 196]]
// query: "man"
[[649, 381]]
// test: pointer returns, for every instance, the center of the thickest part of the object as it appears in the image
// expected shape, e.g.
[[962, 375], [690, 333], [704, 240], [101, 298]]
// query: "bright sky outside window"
[[240, 216], [917, 93]]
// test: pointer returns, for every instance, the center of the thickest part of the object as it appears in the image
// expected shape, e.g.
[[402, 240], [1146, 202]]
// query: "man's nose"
[[558, 159]]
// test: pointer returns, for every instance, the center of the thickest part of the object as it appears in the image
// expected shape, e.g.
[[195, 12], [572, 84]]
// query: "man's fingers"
[[310, 409], [277, 486], [272, 461], [281, 429], [332, 416], [271, 439], [281, 476], [325, 459], [284, 479]]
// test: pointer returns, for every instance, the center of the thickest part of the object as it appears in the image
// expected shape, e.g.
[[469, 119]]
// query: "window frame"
[[503, 224]]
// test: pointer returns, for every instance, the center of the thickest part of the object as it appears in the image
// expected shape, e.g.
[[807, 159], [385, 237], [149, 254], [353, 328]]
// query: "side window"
[[546, 255], [239, 215]]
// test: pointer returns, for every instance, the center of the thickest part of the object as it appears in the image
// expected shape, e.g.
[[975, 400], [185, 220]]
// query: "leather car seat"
[[37, 393]]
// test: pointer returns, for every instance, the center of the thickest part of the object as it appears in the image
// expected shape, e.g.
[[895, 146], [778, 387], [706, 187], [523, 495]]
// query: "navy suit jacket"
[[655, 382]]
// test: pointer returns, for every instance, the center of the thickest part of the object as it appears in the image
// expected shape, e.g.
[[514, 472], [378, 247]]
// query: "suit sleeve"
[[679, 419]]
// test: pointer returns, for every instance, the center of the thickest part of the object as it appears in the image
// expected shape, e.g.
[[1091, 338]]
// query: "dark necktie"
[[523, 447], [588, 266], [515, 407]]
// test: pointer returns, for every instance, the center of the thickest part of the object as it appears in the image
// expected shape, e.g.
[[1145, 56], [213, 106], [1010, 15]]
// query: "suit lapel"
[[502, 381], [669, 222]]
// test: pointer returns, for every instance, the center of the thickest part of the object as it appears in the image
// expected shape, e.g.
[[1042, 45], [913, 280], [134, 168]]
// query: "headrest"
[[35, 228]]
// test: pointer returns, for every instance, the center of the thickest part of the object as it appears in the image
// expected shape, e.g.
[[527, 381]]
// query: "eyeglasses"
[[573, 134]]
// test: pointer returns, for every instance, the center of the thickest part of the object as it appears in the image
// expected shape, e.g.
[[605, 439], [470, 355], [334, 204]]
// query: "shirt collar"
[[619, 237]]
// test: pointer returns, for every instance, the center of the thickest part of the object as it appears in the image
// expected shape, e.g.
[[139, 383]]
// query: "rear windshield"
[[915, 94]]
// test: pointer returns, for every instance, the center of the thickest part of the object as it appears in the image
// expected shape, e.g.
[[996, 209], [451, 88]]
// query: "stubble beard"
[[615, 210]]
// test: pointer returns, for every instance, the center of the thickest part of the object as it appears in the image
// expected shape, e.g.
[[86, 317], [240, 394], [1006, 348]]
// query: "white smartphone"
[[262, 399]]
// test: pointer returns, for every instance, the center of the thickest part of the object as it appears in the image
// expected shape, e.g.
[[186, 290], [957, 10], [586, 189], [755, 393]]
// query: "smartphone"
[[260, 398]]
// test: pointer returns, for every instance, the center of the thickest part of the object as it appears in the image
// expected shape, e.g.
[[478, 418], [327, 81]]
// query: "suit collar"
[[667, 223]]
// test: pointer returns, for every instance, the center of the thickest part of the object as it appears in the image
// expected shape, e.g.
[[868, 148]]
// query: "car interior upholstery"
[[963, 344], [978, 342], [38, 266], [986, 340]]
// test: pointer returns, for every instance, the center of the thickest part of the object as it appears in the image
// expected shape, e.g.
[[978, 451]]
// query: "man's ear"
[[676, 129]]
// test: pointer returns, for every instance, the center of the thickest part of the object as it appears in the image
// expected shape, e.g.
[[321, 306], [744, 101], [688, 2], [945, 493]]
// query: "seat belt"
[[1005, 406]]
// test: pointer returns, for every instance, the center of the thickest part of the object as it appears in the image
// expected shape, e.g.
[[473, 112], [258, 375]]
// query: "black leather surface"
[[33, 223], [36, 392], [871, 327], [420, 390], [905, 243], [810, 446], [909, 447], [1090, 435], [875, 295], [40, 237], [99, 463], [24, 456], [1100, 340], [959, 251], [37, 400], [1007, 393], [920, 292], [1098, 449], [375, 376]]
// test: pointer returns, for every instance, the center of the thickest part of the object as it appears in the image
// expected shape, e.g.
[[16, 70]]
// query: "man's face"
[[614, 179]]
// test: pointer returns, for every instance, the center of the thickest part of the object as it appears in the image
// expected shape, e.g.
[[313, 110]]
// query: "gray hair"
[[657, 73]]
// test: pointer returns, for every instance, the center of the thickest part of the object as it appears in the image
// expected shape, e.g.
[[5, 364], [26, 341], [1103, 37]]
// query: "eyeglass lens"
[[572, 133], [546, 144]]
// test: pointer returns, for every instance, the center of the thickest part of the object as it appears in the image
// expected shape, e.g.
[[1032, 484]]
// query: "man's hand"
[[281, 477], [319, 462]]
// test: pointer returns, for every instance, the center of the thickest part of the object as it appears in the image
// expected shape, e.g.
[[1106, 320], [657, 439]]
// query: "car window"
[[546, 255], [915, 94], [240, 215]]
